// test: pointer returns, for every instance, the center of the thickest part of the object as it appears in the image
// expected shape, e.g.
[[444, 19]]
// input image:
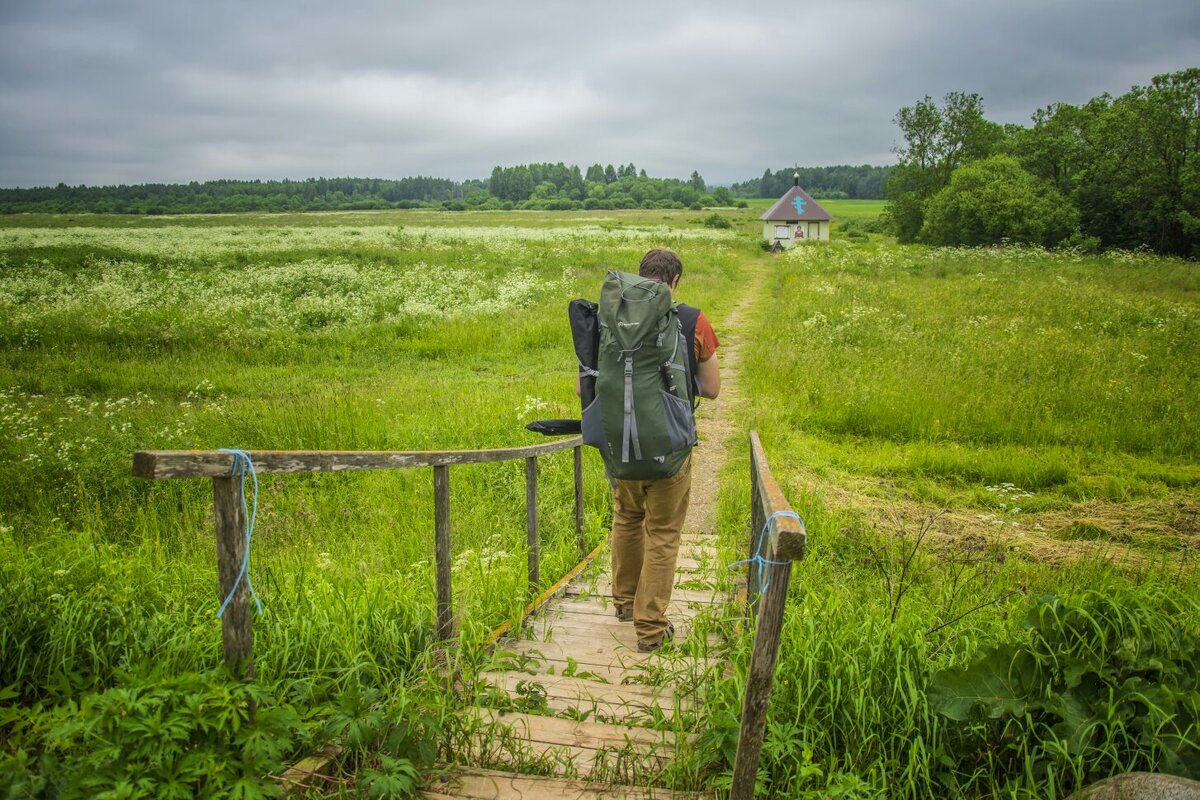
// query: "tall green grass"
[[981, 380], [385, 333]]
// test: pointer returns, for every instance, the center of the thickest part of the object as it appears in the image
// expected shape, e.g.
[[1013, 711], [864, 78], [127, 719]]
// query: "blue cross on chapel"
[[798, 203]]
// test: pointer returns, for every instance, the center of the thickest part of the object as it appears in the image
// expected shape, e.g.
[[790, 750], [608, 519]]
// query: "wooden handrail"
[[236, 631], [788, 542], [788, 539], [162, 464]]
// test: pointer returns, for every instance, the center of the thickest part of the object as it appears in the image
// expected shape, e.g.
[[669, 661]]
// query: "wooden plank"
[[563, 686], [307, 772], [493, 751], [603, 588], [603, 659], [237, 633], [484, 784], [615, 637], [617, 701], [591, 605], [510, 743], [442, 552], [545, 597], [582, 734], [621, 639], [590, 628], [531, 525], [576, 615], [161, 464]]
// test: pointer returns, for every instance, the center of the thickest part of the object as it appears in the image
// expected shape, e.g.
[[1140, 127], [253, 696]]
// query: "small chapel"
[[795, 217]]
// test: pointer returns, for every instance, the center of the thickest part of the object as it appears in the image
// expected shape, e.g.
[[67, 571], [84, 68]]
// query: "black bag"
[[585, 332]]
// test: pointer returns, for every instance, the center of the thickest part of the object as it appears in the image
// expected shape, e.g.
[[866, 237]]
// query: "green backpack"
[[642, 416]]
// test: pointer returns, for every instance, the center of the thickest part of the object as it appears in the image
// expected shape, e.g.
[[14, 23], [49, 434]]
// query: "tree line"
[[220, 196], [552, 186], [842, 182], [1114, 172]]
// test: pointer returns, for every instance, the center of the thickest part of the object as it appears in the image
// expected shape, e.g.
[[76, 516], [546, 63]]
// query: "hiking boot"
[[624, 613], [650, 647]]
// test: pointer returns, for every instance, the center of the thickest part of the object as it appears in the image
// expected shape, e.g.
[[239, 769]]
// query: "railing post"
[[531, 522], [237, 634], [758, 681], [441, 527], [583, 551]]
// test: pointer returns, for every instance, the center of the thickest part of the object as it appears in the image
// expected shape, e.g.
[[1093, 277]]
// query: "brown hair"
[[661, 265]]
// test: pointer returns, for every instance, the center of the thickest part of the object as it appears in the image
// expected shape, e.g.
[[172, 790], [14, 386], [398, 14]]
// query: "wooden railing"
[[786, 543], [236, 632]]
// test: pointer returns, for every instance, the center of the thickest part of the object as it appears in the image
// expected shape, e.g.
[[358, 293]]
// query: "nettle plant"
[[1105, 683], [196, 734]]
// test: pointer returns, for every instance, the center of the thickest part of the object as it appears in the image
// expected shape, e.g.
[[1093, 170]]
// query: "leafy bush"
[[994, 200], [198, 734], [715, 220], [1105, 684]]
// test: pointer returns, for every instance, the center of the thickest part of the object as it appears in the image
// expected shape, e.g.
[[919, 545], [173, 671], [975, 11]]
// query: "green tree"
[[994, 200], [696, 182], [937, 140], [610, 174], [1056, 148], [595, 174], [1142, 182]]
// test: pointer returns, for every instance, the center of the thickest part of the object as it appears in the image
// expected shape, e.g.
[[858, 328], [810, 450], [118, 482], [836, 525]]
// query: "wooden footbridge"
[[568, 707]]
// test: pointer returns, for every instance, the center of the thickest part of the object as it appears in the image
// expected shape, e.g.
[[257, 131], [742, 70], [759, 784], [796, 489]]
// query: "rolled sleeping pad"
[[585, 335], [555, 427]]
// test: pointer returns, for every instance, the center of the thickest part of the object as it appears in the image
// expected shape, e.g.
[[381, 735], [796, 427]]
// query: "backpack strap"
[[629, 434], [689, 317]]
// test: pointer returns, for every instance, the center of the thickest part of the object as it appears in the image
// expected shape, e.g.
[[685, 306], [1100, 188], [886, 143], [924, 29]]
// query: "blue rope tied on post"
[[242, 464], [758, 559]]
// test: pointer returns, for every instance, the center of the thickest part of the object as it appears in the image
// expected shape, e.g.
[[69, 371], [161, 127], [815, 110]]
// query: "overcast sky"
[[158, 91]]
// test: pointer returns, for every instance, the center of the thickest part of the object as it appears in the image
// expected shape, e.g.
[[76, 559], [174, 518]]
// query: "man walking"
[[648, 515]]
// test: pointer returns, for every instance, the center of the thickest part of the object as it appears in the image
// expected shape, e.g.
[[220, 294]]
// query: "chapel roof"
[[796, 206]]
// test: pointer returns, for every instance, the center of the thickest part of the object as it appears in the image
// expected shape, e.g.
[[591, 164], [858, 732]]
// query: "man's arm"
[[708, 373]]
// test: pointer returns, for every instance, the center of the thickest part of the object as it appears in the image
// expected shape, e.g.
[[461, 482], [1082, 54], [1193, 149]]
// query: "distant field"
[[859, 210]]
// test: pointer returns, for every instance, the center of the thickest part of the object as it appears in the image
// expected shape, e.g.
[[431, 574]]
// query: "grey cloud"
[[142, 91]]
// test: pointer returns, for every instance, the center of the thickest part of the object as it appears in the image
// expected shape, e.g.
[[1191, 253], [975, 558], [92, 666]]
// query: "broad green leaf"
[[989, 682]]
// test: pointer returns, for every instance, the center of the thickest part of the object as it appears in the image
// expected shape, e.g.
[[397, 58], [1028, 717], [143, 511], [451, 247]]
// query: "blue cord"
[[758, 559], [241, 465]]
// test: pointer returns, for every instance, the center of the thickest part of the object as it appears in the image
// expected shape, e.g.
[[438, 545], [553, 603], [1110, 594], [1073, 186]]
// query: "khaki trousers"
[[647, 521]]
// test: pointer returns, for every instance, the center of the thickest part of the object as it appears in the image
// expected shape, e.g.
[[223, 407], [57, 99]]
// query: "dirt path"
[[715, 418]]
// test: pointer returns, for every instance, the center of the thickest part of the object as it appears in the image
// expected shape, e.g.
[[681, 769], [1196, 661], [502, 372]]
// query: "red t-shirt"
[[706, 339]]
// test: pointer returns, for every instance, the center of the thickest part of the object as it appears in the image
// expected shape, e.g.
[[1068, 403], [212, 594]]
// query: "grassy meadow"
[[996, 453], [366, 332]]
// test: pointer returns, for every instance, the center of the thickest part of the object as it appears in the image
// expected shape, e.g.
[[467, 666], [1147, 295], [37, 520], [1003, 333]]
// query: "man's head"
[[661, 265]]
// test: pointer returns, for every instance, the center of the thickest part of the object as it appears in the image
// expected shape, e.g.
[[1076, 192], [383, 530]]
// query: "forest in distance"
[[539, 186]]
